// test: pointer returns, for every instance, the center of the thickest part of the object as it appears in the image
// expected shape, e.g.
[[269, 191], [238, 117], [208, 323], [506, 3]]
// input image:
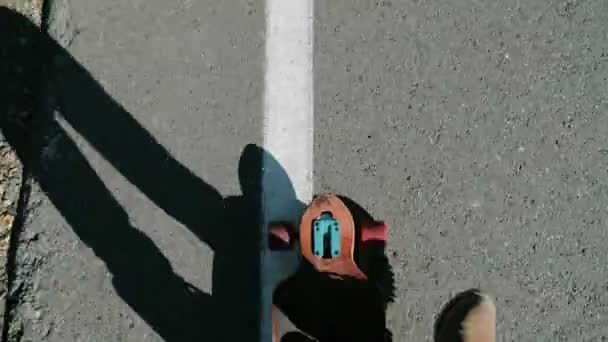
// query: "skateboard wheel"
[[280, 236], [376, 232]]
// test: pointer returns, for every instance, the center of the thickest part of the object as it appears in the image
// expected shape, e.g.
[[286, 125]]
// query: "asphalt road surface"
[[476, 129]]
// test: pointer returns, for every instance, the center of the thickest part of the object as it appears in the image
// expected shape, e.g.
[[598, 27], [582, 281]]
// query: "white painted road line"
[[288, 126], [288, 101]]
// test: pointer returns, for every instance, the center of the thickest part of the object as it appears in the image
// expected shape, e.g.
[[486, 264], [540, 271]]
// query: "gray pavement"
[[476, 129]]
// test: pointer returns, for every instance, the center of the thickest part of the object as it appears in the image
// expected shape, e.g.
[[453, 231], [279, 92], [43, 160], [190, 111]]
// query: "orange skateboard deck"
[[327, 239]]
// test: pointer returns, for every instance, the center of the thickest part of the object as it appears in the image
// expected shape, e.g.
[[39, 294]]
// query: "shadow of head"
[[468, 317], [263, 181], [246, 211], [250, 170], [259, 169]]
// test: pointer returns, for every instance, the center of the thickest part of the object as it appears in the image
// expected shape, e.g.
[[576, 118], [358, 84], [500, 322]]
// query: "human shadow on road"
[[142, 276]]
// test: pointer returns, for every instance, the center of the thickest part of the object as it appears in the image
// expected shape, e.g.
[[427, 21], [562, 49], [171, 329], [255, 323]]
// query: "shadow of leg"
[[232, 234], [141, 274]]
